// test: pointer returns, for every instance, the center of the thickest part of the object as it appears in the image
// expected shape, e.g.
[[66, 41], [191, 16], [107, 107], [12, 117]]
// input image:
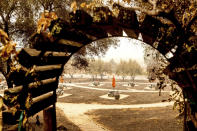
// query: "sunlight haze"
[[127, 49]]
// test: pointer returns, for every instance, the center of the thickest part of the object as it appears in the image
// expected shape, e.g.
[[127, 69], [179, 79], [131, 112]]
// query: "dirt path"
[[102, 89], [76, 113]]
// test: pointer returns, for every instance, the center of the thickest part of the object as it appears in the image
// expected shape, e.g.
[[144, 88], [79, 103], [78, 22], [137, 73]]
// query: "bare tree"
[[122, 69], [133, 69]]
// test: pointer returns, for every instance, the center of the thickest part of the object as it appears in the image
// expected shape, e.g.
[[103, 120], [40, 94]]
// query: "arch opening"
[[91, 92]]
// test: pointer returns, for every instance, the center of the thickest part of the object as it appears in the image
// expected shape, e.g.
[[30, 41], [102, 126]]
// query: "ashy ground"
[[88, 108], [141, 110]]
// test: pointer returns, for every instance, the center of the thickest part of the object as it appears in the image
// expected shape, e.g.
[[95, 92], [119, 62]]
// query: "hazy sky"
[[127, 49]]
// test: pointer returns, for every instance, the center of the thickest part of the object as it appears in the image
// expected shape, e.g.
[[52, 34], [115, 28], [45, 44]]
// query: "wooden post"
[[54, 117], [1, 117], [49, 115]]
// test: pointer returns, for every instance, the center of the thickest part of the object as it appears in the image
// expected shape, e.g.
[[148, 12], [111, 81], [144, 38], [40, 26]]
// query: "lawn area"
[[88, 96], [143, 119]]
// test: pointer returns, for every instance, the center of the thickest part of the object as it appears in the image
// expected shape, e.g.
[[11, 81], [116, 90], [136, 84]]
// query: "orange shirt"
[[113, 82]]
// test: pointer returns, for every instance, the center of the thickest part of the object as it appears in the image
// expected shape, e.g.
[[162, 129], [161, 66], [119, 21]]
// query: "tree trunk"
[[101, 75], [132, 78], [6, 29], [96, 77], [92, 77], [191, 123], [123, 78], [71, 77], [9, 83]]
